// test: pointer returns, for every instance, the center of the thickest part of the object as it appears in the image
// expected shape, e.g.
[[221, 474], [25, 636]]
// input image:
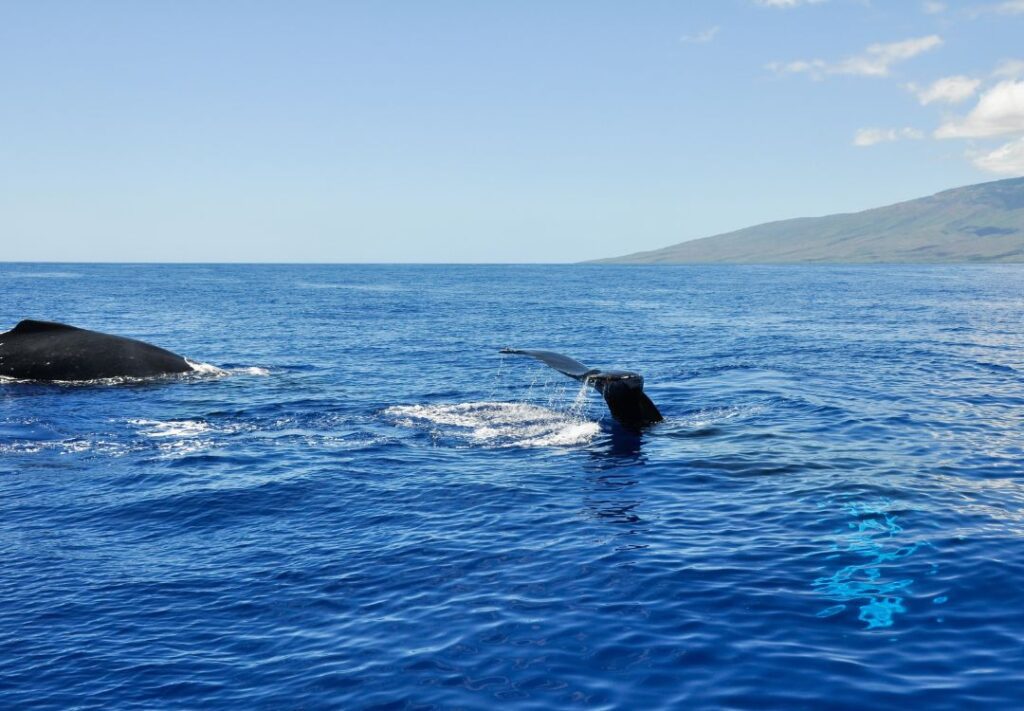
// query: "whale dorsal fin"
[[30, 326]]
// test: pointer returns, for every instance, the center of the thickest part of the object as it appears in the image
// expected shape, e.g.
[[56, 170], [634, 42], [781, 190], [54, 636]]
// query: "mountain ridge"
[[976, 223]]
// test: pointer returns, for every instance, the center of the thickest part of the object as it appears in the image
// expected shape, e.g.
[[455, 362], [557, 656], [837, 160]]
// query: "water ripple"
[[367, 506]]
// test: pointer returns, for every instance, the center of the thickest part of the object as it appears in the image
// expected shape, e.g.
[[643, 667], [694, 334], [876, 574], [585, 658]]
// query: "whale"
[[623, 390], [49, 352]]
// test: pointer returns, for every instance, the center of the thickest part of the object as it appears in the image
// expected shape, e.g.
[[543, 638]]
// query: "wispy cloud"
[[1007, 159], [702, 37], [999, 112], [1007, 7], [932, 7], [786, 3], [948, 90], [875, 61], [871, 136], [1009, 68], [1010, 7]]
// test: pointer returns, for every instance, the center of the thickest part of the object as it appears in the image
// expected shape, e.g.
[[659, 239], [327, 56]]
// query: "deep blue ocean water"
[[365, 505]]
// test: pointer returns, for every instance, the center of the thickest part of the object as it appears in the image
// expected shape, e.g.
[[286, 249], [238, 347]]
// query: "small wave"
[[718, 415], [499, 424], [172, 428], [338, 285], [43, 275], [995, 367], [71, 445], [177, 438], [184, 429]]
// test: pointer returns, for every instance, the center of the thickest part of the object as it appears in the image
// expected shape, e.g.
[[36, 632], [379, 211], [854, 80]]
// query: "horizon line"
[[603, 263]]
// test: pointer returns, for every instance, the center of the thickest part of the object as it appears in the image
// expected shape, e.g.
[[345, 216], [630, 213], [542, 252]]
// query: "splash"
[[578, 409], [209, 370], [200, 369]]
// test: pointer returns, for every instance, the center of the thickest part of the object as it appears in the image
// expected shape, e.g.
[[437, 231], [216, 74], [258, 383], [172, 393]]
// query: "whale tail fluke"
[[623, 390], [629, 404], [563, 364]]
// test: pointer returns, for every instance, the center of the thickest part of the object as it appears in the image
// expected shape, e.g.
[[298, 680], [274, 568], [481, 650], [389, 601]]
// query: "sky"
[[500, 131]]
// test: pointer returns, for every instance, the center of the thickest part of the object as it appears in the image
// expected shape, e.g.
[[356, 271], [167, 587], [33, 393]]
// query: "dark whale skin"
[[46, 351]]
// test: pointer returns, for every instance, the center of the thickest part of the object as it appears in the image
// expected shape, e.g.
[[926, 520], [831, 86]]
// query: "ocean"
[[359, 503]]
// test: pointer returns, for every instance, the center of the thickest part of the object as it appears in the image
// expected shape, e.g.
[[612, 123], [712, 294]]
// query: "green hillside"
[[977, 223]]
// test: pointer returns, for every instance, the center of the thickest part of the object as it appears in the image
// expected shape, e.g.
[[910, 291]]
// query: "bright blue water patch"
[[370, 506]]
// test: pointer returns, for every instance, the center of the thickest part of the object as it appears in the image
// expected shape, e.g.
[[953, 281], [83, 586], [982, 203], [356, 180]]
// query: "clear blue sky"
[[516, 131]]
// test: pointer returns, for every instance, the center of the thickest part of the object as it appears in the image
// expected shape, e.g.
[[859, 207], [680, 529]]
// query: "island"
[[981, 223]]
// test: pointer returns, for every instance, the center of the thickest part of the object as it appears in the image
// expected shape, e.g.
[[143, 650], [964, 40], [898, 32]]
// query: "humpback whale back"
[[623, 390], [43, 350]]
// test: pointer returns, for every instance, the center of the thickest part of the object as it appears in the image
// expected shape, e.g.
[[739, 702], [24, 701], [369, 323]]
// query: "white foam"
[[206, 369], [199, 371], [171, 428], [66, 446], [252, 370], [177, 438], [499, 424]]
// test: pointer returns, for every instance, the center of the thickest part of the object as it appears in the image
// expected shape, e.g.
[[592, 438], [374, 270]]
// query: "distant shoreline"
[[600, 263], [976, 224]]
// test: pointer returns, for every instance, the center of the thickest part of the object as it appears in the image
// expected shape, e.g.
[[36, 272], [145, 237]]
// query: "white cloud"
[[815, 67], [1008, 158], [875, 61], [948, 90], [1010, 7], [934, 8], [1007, 7], [786, 3], [702, 37], [1010, 68], [1000, 112], [871, 136]]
